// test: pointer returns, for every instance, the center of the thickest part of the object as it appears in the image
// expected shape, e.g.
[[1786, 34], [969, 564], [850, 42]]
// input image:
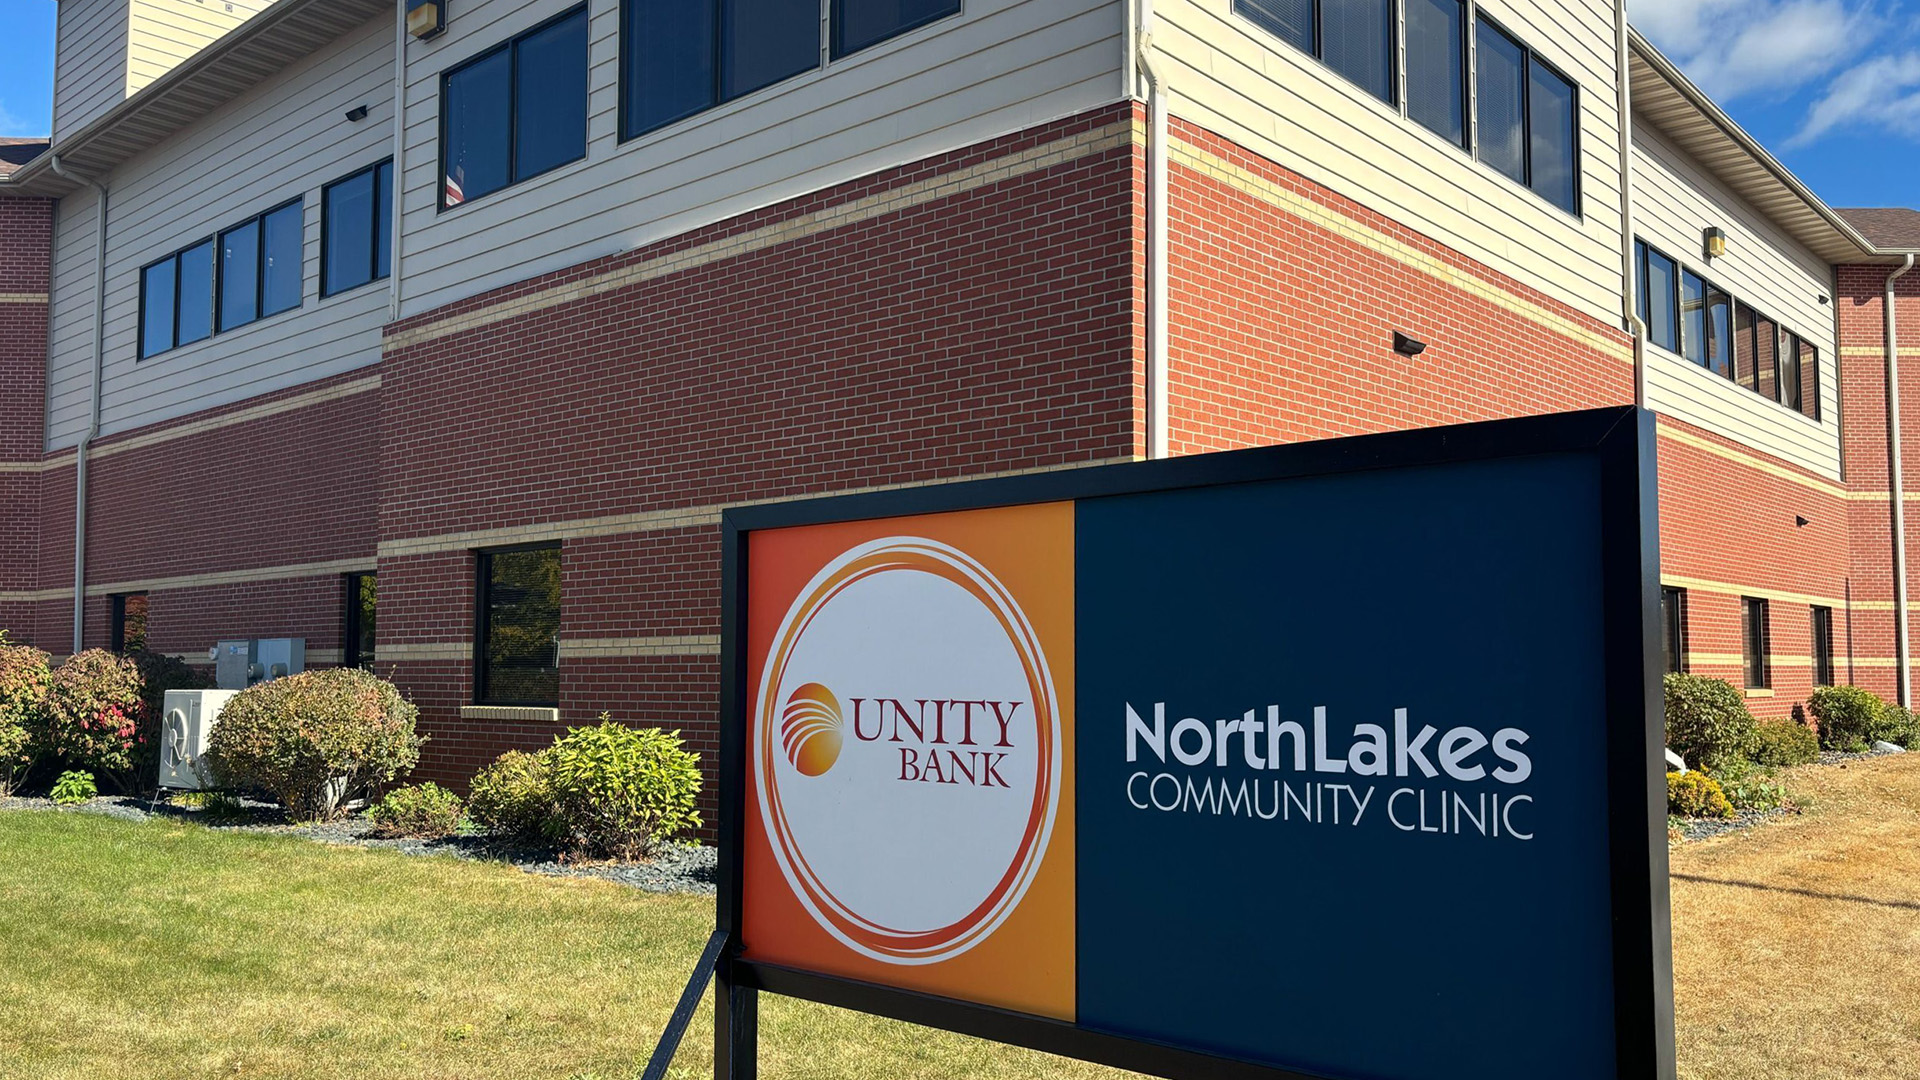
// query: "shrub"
[[622, 791], [1785, 743], [1895, 725], [314, 740], [1707, 721], [95, 716], [513, 798], [427, 811], [1750, 787], [74, 787], [1847, 715], [24, 674], [1695, 794]]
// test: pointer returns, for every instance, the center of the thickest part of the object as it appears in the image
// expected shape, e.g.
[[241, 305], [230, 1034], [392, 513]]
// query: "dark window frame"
[[373, 252], [1395, 92], [1532, 57], [1756, 644], [1673, 627], [259, 221], [836, 52], [513, 97], [140, 351], [1820, 630], [350, 655], [482, 622], [117, 632], [1465, 142], [1644, 254]]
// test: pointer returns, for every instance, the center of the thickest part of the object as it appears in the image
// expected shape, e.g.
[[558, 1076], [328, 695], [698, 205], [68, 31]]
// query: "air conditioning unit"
[[186, 723]]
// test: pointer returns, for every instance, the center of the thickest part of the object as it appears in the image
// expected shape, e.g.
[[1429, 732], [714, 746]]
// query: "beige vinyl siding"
[[165, 32], [1674, 203], [286, 137], [1000, 66], [1228, 75], [90, 62]]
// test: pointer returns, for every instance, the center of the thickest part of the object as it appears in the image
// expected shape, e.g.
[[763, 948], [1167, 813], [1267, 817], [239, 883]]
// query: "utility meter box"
[[239, 664], [186, 722]]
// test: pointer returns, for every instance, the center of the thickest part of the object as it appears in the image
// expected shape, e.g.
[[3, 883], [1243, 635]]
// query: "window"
[[1753, 621], [1529, 117], [363, 593], [176, 299], [1719, 333], [515, 112], [1353, 37], [1746, 369], [1693, 317], [1790, 372], [262, 264], [129, 634], [860, 23], [681, 57], [356, 229], [1766, 355], [517, 647], [1657, 308], [1822, 619], [1437, 67], [1809, 368], [1673, 627]]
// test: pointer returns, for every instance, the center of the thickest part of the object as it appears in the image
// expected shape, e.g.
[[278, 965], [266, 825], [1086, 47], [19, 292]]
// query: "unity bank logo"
[[907, 750]]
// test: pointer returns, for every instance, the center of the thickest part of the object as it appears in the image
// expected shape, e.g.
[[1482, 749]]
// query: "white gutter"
[[1901, 645], [1630, 308], [93, 421], [1156, 238], [399, 150]]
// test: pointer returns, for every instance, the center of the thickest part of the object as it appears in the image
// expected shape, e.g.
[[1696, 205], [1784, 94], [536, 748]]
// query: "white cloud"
[[1882, 93], [1737, 47]]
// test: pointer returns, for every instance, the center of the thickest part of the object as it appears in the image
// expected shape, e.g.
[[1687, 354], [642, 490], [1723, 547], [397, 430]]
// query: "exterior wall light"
[[1716, 242], [426, 18], [1407, 346], [357, 113]]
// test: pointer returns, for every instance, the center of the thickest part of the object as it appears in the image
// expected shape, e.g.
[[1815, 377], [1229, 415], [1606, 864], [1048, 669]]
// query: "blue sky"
[[1832, 87]]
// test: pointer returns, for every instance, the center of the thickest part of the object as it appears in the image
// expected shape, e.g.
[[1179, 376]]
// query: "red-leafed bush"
[[95, 719]]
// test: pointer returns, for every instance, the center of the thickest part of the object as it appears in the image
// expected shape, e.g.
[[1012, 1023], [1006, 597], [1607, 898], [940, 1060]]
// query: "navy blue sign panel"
[[1343, 739], [1358, 774]]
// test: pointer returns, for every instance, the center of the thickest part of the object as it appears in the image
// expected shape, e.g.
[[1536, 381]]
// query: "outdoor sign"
[[1339, 759]]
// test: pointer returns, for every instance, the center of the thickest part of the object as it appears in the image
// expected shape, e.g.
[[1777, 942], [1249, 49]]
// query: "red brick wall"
[[26, 238], [987, 330]]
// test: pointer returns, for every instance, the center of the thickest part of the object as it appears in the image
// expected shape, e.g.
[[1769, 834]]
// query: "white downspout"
[[1901, 642], [1630, 307], [399, 151], [93, 420], [1157, 425]]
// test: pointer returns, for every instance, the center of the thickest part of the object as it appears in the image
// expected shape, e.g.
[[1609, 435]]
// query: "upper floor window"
[[1437, 67], [1657, 308], [860, 23], [356, 229], [176, 299], [1353, 37], [261, 265], [515, 112], [1686, 314], [1528, 116]]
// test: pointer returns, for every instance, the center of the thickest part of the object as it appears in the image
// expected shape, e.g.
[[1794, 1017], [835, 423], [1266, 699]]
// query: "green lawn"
[[171, 950]]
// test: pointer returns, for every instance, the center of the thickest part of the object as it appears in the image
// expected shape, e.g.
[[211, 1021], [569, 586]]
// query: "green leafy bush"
[[1751, 787], [74, 787], [427, 811], [1847, 715], [24, 675], [1707, 721], [1695, 794], [1895, 725], [622, 791], [315, 740], [95, 717], [513, 799], [1785, 742]]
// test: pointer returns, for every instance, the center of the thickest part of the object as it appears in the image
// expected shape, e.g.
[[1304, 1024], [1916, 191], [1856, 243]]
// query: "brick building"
[[444, 352]]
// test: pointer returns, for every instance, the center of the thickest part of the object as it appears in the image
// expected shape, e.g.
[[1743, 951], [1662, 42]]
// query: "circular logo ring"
[[867, 936]]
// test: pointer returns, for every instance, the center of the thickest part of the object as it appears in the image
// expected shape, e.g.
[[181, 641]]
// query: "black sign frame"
[[1621, 440]]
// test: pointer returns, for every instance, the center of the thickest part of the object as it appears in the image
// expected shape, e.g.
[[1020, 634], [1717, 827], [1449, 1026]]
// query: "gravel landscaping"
[[1705, 828], [680, 868]]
